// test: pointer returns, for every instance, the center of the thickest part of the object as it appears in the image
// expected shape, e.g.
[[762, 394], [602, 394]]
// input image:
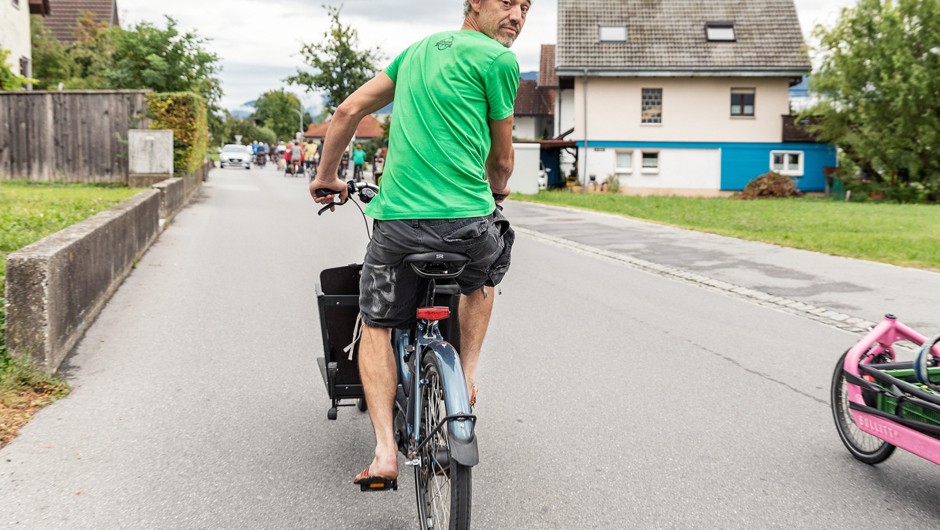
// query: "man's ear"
[[476, 6]]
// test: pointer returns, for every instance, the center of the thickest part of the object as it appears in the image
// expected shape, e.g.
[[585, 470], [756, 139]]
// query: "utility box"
[[150, 157], [525, 172]]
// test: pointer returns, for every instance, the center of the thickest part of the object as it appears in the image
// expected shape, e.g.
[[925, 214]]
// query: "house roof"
[[547, 77], [533, 102], [369, 127], [668, 37], [64, 16]]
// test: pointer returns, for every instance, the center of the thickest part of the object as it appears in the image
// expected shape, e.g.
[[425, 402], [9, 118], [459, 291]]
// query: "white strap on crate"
[[357, 334]]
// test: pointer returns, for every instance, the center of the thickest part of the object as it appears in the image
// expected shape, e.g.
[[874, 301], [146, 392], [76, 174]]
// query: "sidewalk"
[[840, 289]]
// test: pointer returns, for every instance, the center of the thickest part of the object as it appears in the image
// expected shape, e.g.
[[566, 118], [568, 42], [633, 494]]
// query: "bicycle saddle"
[[437, 264]]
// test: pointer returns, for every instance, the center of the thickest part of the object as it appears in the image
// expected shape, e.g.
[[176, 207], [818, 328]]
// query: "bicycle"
[[434, 426], [879, 404]]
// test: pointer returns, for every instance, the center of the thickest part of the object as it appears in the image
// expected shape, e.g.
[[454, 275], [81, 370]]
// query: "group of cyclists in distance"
[[304, 157]]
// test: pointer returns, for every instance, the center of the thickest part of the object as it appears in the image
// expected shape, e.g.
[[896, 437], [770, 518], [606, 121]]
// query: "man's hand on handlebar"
[[333, 184], [500, 195]]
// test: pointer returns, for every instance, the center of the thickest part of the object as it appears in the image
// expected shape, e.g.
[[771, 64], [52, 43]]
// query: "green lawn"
[[901, 234], [30, 211]]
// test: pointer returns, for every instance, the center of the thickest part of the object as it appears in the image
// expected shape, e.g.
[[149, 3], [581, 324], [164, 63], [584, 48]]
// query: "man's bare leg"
[[474, 314], [379, 380]]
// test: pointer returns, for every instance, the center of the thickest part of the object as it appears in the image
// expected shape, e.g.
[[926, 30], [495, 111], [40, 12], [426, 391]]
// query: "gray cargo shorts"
[[389, 288]]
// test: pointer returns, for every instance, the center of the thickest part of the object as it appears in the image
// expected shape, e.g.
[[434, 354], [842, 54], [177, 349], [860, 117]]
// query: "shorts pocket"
[[469, 233], [501, 264]]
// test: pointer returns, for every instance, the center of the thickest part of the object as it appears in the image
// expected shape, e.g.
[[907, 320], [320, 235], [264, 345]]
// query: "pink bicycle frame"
[[880, 340]]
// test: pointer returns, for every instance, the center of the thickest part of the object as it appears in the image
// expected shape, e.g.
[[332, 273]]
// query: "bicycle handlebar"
[[366, 193]]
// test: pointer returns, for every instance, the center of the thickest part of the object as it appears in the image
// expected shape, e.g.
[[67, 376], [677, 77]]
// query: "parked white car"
[[235, 155]]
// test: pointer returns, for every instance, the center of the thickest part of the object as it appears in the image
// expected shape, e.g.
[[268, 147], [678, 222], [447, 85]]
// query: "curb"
[[822, 315]]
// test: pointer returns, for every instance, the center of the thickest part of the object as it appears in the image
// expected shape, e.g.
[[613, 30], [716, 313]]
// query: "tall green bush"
[[185, 114]]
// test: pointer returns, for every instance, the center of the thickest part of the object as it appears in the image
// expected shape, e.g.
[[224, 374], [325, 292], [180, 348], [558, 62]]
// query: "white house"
[[684, 96], [533, 112], [14, 31]]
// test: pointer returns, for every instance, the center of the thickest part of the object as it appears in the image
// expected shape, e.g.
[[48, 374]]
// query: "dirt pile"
[[770, 185]]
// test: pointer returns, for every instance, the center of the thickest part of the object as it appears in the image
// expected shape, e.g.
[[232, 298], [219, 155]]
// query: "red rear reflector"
[[868, 378], [433, 313]]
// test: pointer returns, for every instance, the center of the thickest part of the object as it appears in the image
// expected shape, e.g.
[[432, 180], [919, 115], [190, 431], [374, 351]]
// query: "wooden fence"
[[70, 136]]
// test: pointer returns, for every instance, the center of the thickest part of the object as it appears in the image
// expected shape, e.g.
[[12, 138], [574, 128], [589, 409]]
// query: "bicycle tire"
[[443, 491], [863, 446]]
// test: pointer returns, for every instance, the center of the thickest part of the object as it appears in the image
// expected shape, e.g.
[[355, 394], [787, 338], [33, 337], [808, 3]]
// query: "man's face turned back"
[[502, 20]]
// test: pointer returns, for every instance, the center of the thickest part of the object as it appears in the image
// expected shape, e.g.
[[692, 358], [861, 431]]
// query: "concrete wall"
[[695, 109], [525, 173], [14, 32], [57, 286], [151, 156], [172, 198]]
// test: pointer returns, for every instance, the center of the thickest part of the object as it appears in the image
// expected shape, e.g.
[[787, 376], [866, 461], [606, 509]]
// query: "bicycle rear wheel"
[[863, 446], [443, 486]]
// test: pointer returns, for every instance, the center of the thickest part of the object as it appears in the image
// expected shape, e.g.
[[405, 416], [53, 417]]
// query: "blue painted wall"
[[742, 162]]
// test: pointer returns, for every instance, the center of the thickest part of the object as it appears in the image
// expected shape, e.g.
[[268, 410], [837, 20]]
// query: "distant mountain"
[[529, 76]]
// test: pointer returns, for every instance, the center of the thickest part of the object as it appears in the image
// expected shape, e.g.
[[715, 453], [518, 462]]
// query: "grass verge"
[[23, 391], [30, 211], [900, 234]]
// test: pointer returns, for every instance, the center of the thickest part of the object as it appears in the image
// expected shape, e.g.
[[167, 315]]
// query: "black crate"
[[338, 302]]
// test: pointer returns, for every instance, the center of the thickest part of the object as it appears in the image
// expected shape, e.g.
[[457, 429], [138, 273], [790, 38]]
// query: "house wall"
[[523, 127], [564, 111], [678, 168], [14, 32], [695, 109], [705, 165]]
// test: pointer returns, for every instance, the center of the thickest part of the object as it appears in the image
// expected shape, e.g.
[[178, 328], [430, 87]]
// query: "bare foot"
[[383, 467]]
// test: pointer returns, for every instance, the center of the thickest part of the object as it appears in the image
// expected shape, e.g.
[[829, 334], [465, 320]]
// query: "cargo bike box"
[[338, 303]]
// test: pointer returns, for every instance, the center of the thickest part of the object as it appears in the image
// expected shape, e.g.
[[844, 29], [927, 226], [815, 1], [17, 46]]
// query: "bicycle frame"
[[880, 340]]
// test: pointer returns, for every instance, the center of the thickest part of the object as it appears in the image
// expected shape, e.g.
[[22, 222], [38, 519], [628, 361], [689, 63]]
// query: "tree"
[[339, 67], [10, 80], [879, 89], [166, 61], [78, 66], [278, 110]]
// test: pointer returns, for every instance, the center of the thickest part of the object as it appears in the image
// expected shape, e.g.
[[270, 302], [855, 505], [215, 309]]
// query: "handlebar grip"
[[323, 192], [499, 197]]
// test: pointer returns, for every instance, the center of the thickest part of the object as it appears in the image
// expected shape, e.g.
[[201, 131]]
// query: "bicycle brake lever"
[[326, 208]]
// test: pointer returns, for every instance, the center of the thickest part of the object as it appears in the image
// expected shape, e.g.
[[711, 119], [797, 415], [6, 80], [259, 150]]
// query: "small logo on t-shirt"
[[444, 44]]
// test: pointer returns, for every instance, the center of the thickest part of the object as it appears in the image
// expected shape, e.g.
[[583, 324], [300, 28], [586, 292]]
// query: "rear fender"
[[463, 442]]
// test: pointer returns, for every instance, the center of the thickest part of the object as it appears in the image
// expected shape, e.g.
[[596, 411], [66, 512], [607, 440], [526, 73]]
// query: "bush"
[[185, 114], [613, 184], [770, 185]]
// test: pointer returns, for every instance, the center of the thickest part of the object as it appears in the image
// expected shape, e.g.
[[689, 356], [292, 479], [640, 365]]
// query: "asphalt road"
[[609, 398]]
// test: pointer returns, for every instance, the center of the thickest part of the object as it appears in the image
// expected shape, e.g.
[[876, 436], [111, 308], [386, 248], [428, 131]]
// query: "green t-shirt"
[[447, 88], [359, 156]]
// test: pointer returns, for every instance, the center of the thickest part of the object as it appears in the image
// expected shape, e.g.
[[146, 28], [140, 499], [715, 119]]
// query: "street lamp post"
[[300, 115]]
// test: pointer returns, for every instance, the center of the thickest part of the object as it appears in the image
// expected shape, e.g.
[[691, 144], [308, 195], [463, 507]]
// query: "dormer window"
[[612, 33], [720, 31]]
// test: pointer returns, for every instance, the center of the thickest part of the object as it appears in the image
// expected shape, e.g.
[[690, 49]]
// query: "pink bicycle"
[[879, 404]]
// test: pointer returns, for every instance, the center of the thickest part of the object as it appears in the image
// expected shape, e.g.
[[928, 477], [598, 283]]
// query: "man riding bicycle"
[[450, 152]]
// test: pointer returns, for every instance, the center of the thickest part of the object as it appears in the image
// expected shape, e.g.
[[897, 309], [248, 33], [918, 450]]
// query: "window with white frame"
[[650, 162], [789, 163], [742, 102], [652, 106], [612, 33], [624, 163], [720, 31]]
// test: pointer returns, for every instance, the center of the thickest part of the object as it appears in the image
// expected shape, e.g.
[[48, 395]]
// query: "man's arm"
[[500, 161], [370, 97]]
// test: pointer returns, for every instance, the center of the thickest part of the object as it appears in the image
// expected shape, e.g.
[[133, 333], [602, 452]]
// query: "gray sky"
[[258, 40]]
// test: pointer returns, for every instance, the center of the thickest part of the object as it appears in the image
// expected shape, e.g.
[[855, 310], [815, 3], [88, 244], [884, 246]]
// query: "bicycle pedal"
[[379, 486]]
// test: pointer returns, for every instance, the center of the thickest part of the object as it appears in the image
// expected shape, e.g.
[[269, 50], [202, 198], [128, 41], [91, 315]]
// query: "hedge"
[[185, 114]]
